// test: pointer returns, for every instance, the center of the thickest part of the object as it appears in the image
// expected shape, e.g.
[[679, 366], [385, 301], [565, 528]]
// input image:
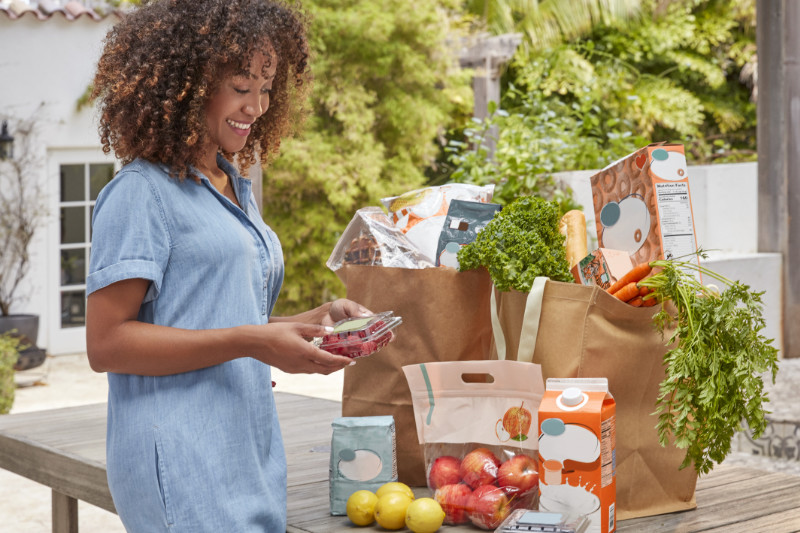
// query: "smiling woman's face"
[[240, 99]]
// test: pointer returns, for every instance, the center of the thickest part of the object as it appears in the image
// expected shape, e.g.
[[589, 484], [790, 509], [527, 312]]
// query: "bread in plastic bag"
[[372, 239]]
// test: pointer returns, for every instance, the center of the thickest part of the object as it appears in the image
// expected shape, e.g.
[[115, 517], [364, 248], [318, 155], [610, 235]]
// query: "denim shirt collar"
[[242, 186]]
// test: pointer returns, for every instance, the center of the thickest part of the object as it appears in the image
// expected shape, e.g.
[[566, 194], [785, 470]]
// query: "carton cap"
[[572, 396]]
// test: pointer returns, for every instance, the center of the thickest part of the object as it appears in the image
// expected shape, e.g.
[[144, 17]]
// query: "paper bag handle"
[[530, 323]]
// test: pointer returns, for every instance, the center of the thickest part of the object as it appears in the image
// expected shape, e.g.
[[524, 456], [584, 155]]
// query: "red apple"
[[488, 506], [518, 475], [517, 421], [479, 467], [454, 499], [444, 471]]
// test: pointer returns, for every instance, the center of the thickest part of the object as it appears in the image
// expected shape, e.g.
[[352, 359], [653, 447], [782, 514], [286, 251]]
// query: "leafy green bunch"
[[520, 243], [714, 371]]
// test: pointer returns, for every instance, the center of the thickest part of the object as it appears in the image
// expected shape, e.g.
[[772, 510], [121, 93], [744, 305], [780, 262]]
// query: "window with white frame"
[[80, 185]]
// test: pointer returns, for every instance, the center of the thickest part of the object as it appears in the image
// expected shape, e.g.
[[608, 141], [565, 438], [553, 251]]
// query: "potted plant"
[[22, 209]]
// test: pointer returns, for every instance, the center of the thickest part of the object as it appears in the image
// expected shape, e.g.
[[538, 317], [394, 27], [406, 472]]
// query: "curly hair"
[[162, 62]]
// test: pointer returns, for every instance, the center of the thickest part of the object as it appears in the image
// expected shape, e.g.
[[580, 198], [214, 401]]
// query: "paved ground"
[[67, 380]]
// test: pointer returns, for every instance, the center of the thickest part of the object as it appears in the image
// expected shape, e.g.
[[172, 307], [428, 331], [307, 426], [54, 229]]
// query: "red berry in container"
[[359, 337]]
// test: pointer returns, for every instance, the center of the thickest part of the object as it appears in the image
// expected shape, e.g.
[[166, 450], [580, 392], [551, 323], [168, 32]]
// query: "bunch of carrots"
[[628, 290]]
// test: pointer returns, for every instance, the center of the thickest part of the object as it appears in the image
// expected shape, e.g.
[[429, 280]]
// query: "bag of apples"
[[476, 422]]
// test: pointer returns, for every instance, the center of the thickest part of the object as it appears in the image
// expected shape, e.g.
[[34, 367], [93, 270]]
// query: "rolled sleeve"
[[127, 270], [130, 235]]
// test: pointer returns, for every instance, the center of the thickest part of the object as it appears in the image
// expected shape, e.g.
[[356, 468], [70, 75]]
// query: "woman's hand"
[[328, 313], [286, 346]]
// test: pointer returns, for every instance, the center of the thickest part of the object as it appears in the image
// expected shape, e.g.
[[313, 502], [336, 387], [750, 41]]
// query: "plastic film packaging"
[[420, 214], [372, 239]]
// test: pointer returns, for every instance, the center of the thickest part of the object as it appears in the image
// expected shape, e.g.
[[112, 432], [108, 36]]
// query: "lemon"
[[361, 507], [394, 486], [424, 515], [390, 511]]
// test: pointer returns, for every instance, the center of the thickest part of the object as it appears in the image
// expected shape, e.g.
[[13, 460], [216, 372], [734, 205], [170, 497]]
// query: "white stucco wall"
[[51, 62], [45, 67]]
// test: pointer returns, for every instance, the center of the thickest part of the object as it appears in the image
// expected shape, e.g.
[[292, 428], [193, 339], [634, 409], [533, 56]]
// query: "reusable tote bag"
[[574, 330], [446, 317]]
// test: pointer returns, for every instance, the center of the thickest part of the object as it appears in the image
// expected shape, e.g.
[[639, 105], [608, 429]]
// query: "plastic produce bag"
[[477, 424]]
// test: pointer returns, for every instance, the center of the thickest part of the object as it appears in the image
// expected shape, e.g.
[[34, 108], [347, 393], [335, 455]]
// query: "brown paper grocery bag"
[[580, 331], [446, 317]]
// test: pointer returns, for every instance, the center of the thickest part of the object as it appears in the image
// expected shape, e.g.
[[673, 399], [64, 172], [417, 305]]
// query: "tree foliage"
[[387, 85], [672, 73], [676, 74], [546, 23]]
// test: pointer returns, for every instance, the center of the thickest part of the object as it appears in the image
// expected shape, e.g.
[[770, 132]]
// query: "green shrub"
[[9, 353]]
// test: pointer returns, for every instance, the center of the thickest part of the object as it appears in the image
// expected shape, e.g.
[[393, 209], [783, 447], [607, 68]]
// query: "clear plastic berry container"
[[360, 337]]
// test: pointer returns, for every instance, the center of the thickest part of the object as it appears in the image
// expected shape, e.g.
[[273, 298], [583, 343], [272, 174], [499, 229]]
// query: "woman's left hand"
[[344, 308], [328, 313]]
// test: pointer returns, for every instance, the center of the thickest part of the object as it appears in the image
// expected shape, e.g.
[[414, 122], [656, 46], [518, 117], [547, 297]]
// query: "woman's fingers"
[[344, 308], [323, 362], [310, 331]]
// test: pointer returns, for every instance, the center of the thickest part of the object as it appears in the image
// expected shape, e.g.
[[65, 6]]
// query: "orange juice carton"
[[642, 205], [577, 462], [602, 267]]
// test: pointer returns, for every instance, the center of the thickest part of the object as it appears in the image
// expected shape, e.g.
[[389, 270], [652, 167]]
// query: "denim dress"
[[199, 451]]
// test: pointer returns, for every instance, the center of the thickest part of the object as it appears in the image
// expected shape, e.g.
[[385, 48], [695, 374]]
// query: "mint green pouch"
[[363, 456]]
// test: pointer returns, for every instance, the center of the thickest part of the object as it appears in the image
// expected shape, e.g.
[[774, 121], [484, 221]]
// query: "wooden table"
[[65, 450]]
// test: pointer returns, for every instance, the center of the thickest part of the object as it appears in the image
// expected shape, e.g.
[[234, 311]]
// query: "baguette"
[[573, 227]]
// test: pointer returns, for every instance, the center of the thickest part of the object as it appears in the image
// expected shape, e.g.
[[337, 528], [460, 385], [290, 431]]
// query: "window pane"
[[73, 267], [72, 225], [99, 175], [73, 309], [72, 183]]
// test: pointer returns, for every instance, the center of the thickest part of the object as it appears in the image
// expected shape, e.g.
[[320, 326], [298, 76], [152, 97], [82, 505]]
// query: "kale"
[[520, 243]]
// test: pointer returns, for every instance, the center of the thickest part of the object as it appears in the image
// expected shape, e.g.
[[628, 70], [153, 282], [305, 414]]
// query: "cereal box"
[[642, 205]]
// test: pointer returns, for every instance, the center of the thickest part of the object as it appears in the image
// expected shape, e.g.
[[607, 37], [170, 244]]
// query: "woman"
[[184, 273]]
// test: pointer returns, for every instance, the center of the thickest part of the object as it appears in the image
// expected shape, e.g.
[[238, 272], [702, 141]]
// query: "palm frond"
[[548, 22], [713, 75], [661, 102]]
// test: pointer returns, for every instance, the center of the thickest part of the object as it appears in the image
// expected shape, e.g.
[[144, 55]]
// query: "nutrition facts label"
[[608, 445], [675, 215]]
